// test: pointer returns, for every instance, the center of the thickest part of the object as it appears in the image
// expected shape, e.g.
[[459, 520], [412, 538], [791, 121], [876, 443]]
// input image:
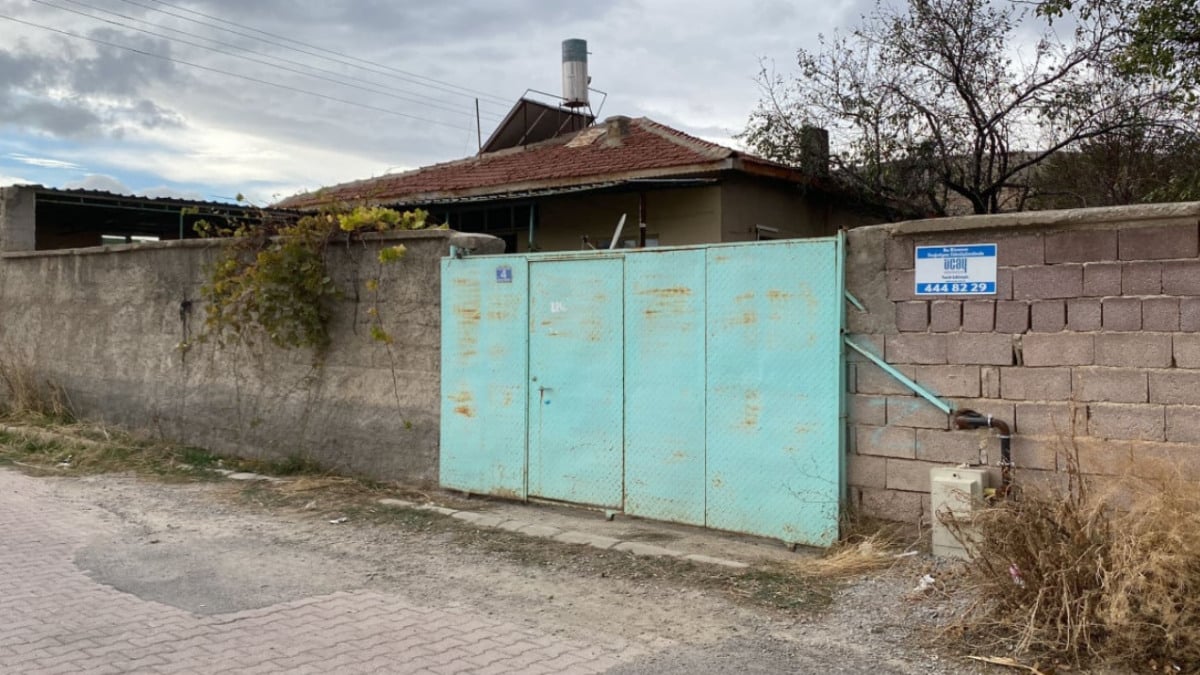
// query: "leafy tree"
[[953, 104], [1127, 167], [1161, 37]]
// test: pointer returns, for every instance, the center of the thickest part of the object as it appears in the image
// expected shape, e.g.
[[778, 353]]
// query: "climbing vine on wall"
[[272, 280]]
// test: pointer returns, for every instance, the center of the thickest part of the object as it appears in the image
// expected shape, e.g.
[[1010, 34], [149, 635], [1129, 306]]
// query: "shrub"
[[1078, 575], [272, 278]]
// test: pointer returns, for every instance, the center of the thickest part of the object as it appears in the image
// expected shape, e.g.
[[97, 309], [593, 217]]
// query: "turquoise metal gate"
[[699, 385]]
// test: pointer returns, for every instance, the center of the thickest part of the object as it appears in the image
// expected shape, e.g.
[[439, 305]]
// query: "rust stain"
[[804, 428], [468, 354], [778, 295], [717, 482], [505, 493], [507, 400], [464, 397], [497, 316], [650, 312], [806, 294], [751, 410], [676, 290], [468, 313], [465, 411], [745, 297], [746, 319]]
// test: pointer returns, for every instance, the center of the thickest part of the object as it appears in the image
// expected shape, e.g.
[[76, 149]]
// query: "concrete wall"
[[106, 324], [1091, 345], [678, 217], [17, 232]]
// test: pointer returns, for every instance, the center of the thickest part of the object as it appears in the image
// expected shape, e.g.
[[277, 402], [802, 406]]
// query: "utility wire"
[[469, 92], [376, 67], [381, 92], [228, 73]]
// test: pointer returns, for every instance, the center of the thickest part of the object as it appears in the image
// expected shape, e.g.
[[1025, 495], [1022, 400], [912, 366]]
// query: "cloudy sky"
[[211, 98]]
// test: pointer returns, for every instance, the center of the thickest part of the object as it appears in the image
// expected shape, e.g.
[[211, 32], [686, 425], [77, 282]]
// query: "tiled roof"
[[616, 149]]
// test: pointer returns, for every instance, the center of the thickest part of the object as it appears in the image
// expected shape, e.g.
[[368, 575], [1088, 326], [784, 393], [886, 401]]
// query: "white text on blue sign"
[[968, 269]]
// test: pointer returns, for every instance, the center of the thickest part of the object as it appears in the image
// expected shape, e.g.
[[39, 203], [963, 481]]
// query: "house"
[[551, 179]]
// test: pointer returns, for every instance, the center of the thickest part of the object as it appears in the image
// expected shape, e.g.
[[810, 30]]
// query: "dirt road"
[[112, 574]]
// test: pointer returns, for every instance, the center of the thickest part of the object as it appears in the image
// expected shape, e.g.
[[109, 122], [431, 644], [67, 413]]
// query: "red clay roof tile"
[[595, 154]]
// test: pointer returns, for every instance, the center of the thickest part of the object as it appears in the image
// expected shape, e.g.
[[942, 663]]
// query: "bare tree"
[[950, 104]]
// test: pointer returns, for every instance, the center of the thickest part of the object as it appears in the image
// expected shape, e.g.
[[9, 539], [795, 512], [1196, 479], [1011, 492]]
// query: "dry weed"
[[27, 394], [1078, 575], [848, 560], [867, 545]]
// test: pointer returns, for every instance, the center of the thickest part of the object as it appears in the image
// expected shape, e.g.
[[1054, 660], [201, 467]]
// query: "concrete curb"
[[566, 536]]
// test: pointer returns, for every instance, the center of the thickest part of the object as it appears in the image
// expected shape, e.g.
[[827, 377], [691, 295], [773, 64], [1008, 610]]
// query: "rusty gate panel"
[[484, 370], [576, 420], [664, 385], [774, 390]]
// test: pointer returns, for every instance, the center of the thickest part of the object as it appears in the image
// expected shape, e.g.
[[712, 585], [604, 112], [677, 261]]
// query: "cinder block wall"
[[106, 323], [1091, 346]]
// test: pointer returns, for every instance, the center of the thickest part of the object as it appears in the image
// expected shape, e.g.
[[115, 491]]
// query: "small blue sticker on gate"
[[504, 274]]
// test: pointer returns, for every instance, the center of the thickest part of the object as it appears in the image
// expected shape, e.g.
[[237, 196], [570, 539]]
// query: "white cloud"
[[101, 182], [13, 180], [44, 162], [167, 191], [147, 122]]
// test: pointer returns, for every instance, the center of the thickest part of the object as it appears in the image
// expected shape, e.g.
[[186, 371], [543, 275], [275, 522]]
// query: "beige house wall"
[[677, 217], [785, 207]]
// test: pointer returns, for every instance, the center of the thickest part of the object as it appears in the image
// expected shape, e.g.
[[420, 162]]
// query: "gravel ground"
[[213, 548]]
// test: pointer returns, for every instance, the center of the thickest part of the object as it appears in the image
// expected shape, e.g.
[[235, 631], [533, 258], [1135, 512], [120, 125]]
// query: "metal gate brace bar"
[[924, 393]]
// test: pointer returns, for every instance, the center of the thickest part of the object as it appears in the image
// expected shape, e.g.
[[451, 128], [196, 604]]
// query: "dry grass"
[[1078, 576], [867, 546], [28, 395], [849, 560]]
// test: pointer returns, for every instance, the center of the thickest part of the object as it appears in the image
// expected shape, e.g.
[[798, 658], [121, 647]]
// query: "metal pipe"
[[641, 220], [532, 206], [917, 389], [969, 419]]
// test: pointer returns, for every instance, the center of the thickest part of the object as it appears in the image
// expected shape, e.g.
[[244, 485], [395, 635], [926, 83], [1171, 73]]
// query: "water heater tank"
[[575, 74]]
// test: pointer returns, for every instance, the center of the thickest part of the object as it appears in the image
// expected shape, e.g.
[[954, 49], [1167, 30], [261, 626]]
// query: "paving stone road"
[[54, 618], [110, 574]]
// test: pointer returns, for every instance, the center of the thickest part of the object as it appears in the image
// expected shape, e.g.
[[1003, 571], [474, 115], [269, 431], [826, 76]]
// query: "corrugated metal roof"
[[115, 196]]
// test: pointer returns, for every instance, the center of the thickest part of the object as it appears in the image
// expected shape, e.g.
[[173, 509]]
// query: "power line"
[[230, 74], [341, 76], [468, 91], [386, 69], [381, 92]]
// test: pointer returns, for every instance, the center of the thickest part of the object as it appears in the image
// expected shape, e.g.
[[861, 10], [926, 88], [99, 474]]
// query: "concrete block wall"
[[1090, 347], [106, 323]]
